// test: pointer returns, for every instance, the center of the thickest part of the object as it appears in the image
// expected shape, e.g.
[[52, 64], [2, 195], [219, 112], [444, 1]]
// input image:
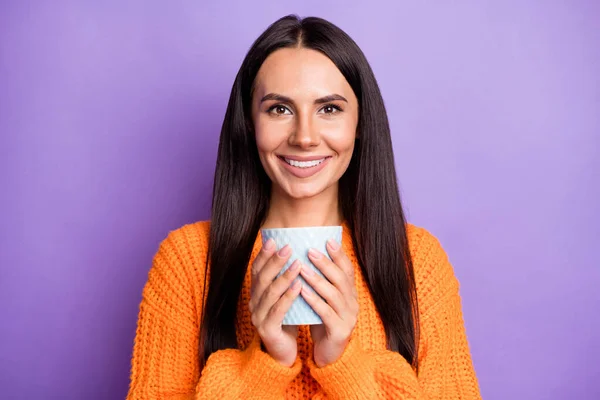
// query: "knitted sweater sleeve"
[[445, 366], [165, 355]]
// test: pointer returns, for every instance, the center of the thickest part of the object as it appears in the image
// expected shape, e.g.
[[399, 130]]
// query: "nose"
[[304, 134]]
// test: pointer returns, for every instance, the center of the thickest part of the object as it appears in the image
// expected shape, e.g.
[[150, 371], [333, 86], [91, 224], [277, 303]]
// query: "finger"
[[277, 313], [332, 272], [329, 316], [266, 252], [335, 251], [276, 289], [339, 257], [267, 273], [263, 256], [332, 295]]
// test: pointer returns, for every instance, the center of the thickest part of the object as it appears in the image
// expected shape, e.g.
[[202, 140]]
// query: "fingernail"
[[295, 265], [285, 251], [333, 244], [296, 284], [314, 254], [308, 271], [270, 244]]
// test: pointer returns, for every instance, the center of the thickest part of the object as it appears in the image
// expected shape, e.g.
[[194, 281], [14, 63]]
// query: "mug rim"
[[302, 227]]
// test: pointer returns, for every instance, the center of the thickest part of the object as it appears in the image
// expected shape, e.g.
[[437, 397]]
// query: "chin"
[[304, 191], [302, 194]]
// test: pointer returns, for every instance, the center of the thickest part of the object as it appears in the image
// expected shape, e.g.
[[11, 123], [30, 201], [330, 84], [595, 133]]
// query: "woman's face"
[[305, 116]]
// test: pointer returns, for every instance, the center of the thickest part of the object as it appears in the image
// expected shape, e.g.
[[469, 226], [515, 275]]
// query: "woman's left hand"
[[339, 311]]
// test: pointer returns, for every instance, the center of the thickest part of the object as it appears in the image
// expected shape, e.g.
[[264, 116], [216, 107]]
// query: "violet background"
[[109, 120]]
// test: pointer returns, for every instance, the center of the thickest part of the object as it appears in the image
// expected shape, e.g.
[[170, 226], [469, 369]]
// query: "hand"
[[339, 311], [270, 299]]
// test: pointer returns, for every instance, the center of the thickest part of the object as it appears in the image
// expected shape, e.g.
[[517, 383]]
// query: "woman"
[[305, 142]]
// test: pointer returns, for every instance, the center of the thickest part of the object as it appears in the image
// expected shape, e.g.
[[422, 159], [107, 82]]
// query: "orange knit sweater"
[[165, 355]]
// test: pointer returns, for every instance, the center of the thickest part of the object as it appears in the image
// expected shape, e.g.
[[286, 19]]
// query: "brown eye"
[[279, 110], [330, 109]]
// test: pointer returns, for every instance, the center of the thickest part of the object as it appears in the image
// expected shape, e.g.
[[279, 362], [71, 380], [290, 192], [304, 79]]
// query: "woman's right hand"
[[271, 298]]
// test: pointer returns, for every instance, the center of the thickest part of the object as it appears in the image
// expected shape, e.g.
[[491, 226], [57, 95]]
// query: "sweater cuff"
[[352, 376], [264, 374]]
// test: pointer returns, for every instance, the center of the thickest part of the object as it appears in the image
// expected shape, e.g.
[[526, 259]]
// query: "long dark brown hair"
[[368, 194]]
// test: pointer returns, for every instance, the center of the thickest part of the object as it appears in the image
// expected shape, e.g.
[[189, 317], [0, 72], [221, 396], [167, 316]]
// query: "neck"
[[320, 210]]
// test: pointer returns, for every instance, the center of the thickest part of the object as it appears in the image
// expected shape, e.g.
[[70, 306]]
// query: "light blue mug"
[[301, 240]]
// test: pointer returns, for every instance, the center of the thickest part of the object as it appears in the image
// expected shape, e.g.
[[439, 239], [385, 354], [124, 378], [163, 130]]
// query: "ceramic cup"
[[301, 240]]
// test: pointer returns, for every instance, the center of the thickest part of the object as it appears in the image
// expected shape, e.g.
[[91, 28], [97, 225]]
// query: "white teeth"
[[304, 164]]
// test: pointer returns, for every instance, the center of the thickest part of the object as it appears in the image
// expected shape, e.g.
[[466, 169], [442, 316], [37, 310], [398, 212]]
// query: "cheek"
[[268, 137], [341, 138]]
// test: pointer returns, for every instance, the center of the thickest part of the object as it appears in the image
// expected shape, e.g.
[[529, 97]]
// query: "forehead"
[[300, 71]]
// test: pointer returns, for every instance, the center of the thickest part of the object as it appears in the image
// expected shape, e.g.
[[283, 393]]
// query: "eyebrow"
[[320, 100]]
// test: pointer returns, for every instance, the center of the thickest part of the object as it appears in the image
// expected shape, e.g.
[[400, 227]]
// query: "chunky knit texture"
[[165, 357]]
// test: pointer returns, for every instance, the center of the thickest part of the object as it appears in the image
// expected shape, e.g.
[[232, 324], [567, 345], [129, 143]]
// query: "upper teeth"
[[304, 164]]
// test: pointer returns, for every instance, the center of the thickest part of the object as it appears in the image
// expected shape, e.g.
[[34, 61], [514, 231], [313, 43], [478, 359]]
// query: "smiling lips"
[[304, 167]]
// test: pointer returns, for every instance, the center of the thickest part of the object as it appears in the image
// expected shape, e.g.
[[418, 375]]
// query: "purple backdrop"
[[109, 119]]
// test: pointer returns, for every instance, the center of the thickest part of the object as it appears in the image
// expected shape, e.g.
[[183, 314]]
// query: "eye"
[[330, 109], [279, 109]]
